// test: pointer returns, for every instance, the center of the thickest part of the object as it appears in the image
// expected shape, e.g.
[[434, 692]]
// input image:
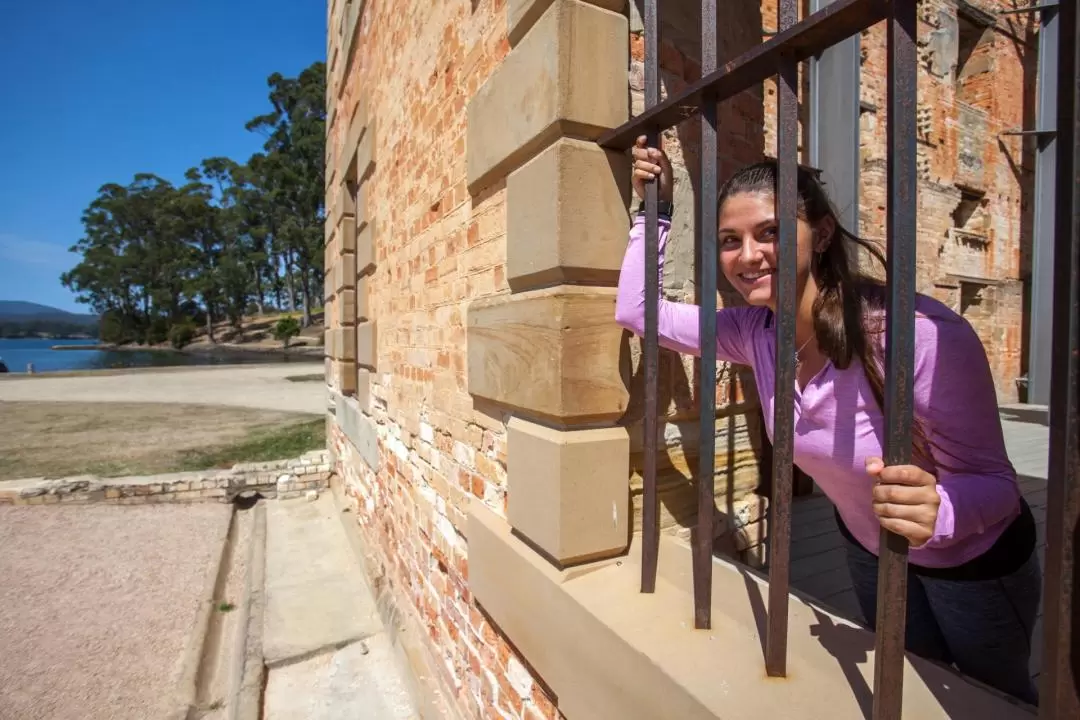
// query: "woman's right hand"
[[651, 163]]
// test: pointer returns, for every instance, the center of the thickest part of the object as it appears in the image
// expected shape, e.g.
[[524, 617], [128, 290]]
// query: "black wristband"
[[664, 207]]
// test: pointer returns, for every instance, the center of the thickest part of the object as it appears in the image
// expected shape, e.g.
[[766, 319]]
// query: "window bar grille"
[[1059, 696], [707, 227], [650, 540], [902, 99], [787, 130]]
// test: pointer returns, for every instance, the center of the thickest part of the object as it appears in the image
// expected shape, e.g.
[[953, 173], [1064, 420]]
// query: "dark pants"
[[983, 627]]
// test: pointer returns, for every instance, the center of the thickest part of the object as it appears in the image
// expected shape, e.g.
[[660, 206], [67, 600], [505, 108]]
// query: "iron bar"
[[1030, 8], [650, 541], [1060, 696], [787, 135], [1028, 133], [820, 30], [902, 73], [707, 226]]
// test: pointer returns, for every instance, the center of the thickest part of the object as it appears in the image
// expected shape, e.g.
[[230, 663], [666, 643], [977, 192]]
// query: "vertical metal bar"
[[707, 225], [1060, 696], [650, 546], [786, 302], [1042, 261], [899, 346]]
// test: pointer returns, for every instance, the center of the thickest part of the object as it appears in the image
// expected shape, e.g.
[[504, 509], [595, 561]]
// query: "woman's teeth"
[[755, 276]]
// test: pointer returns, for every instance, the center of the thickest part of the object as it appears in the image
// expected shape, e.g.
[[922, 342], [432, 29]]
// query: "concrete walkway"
[[327, 652], [251, 386]]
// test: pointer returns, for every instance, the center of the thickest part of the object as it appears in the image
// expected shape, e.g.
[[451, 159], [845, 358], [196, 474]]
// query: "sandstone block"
[[363, 389], [367, 349], [522, 14], [347, 350], [365, 152], [346, 201], [363, 298], [541, 86], [346, 235], [552, 353], [360, 431], [345, 271], [365, 247], [346, 307], [566, 216], [569, 491]]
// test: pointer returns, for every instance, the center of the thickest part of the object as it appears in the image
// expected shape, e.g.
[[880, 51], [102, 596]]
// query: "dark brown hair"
[[850, 305]]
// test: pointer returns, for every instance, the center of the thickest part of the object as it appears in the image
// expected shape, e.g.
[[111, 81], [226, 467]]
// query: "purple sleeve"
[[678, 323], [956, 404]]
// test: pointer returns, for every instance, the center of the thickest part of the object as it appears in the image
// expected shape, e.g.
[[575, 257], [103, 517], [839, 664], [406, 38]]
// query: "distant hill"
[[20, 319], [20, 311]]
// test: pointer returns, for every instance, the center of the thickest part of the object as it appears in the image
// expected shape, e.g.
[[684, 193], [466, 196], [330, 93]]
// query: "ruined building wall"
[[474, 236]]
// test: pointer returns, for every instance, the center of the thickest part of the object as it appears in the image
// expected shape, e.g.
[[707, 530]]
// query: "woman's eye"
[[769, 233], [729, 241]]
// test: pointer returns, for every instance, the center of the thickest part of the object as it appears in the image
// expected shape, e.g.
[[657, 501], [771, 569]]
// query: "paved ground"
[[818, 560], [249, 386], [328, 653], [97, 604]]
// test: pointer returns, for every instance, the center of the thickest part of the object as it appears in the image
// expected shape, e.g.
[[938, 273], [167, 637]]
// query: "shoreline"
[[201, 349]]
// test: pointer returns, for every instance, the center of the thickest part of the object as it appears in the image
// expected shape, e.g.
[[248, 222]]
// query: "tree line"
[[160, 259]]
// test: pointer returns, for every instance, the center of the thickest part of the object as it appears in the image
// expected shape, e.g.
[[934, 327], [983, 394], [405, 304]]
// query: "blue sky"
[[94, 92]]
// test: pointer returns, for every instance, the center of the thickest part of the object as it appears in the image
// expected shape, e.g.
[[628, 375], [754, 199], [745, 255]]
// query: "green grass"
[[314, 377], [225, 607], [282, 442]]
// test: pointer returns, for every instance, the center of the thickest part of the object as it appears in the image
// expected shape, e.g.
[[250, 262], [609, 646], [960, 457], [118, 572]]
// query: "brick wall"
[[974, 229], [414, 66]]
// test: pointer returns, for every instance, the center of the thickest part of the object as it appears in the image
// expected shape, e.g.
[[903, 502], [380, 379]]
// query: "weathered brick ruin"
[[485, 408]]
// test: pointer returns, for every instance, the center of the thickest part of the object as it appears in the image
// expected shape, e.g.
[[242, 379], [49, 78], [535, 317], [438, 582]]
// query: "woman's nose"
[[750, 251]]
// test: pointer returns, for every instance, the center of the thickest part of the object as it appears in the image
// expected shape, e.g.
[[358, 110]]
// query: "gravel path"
[[250, 386], [96, 605]]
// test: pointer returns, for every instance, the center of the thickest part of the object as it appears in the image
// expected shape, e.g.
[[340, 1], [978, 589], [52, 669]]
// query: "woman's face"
[[748, 237]]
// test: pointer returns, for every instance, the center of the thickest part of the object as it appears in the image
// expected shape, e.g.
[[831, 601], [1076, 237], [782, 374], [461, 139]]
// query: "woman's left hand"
[[906, 500]]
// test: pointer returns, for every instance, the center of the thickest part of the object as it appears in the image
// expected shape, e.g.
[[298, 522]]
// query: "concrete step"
[[317, 598], [326, 650]]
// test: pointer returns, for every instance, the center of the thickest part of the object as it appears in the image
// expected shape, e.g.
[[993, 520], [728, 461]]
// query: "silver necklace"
[[798, 360]]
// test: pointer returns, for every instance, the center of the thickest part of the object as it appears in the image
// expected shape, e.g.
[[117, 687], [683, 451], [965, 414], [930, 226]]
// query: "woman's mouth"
[[753, 278]]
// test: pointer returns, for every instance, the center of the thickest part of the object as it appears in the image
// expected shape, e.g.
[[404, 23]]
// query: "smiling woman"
[[974, 579]]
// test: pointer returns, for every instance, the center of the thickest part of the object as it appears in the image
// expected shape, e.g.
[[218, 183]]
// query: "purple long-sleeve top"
[[838, 424]]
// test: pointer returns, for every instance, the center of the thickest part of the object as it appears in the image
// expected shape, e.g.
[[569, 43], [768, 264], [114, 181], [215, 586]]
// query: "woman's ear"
[[823, 233]]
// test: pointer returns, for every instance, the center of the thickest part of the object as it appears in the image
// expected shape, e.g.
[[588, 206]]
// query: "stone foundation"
[[280, 479]]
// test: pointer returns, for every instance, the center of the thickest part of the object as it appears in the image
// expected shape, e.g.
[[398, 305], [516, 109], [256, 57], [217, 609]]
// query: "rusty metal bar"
[[902, 100], [824, 28], [1060, 692], [706, 225], [787, 138], [650, 535]]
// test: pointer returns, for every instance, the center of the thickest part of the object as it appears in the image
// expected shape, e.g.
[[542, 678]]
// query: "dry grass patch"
[[112, 439]]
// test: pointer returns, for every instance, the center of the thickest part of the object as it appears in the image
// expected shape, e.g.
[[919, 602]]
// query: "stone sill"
[[608, 651]]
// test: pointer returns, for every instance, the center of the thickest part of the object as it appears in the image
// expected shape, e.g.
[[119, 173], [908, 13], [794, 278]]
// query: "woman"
[[974, 579]]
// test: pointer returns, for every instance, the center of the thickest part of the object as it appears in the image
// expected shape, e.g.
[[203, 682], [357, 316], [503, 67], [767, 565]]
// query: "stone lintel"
[[566, 217], [542, 88], [553, 354], [568, 492]]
